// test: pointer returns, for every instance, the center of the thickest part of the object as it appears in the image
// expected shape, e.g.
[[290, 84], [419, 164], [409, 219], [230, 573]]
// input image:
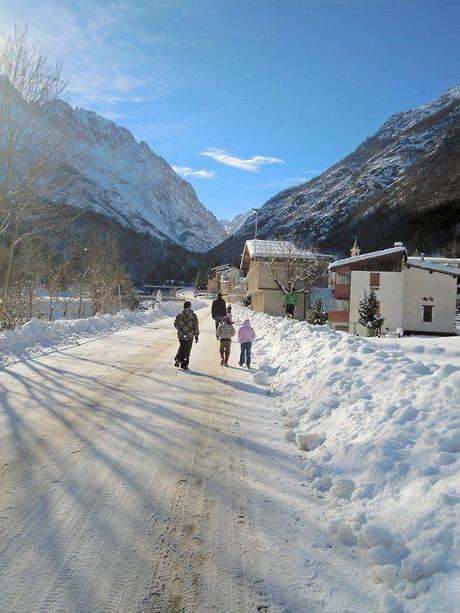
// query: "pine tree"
[[368, 313], [201, 279], [316, 314]]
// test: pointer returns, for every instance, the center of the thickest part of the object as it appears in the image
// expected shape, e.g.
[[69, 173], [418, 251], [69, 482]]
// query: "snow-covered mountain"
[[101, 166], [234, 224], [402, 183]]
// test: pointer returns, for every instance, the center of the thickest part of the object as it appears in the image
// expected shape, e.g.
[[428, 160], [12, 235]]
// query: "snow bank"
[[380, 420], [38, 336]]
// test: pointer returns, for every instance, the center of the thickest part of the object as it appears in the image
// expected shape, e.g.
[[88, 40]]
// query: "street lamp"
[[256, 211]]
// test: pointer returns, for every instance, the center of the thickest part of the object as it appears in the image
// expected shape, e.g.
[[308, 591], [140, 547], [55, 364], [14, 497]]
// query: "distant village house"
[[225, 278]]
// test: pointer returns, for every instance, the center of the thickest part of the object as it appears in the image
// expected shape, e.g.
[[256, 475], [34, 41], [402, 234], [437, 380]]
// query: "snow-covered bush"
[[316, 315]]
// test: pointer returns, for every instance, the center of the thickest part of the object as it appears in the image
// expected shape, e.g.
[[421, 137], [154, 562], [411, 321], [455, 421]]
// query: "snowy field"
[[37, 336], [378, 421]]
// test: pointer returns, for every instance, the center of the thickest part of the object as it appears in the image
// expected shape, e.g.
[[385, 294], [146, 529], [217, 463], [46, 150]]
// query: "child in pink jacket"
[[246, 335]]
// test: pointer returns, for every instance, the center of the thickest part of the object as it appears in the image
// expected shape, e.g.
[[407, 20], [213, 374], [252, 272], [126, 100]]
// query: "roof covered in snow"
[[427, 265], [368, 256], [222, 267], [455, 262], [280, 249]]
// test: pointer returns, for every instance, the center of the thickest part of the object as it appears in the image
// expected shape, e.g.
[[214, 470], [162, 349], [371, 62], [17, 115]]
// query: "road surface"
[[128, 485]]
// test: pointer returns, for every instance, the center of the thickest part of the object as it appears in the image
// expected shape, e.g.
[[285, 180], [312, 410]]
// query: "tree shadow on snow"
[[238, 385]]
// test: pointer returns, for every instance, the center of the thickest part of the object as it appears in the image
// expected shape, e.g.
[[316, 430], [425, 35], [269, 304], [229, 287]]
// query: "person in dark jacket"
[[186, 324], [218, 309]]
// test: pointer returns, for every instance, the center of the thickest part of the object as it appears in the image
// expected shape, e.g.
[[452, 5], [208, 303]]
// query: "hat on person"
[[228, 320], [187, 305]]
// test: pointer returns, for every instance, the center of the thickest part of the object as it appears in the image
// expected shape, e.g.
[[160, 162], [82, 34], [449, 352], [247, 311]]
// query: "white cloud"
[[283, 183], [186, 171], [112, 115], [251, 164], [102, 58]]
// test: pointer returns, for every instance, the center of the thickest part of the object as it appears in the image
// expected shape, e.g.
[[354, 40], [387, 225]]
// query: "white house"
[[452, 262], [413, 294]]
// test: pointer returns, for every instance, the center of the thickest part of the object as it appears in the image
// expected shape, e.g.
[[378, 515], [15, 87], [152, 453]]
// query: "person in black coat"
[[218, 309]]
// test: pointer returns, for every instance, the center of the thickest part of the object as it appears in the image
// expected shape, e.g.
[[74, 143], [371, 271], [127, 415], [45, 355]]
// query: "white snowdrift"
[[38, 336], [381, 421]]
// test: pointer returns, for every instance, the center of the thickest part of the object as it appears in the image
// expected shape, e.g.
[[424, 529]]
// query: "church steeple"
[[355, 250]]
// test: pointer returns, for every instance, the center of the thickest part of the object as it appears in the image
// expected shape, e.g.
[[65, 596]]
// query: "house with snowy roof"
[[223, 278], [274, 267], [414, 294]]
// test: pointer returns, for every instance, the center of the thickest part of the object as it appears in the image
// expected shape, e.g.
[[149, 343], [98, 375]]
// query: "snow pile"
[[38, 336], [379, 422]]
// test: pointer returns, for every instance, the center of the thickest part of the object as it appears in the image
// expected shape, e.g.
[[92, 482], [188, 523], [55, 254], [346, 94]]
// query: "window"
[[339, 278], [375, 279], [427, 312]]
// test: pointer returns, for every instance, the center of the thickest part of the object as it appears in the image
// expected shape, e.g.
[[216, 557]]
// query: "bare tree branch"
[[28, 81], [296, 270]]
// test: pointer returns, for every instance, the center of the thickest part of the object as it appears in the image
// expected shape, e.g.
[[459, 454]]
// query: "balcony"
[[342, 291], [338, 316]]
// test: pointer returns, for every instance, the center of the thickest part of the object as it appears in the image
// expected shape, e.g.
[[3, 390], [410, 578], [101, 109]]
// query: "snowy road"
[[127, 485]]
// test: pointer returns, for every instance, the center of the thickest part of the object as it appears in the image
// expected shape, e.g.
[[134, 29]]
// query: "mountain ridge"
[[101, 166], [408, 167], [233, 224]]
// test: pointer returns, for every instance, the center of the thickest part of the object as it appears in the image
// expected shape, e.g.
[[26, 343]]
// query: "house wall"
[[418, 286], [252, 278], [229, 280], [389, 294], [257, 301], [232, 274], [213, 285]]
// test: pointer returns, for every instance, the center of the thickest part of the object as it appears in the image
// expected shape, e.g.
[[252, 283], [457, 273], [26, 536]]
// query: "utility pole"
[[256, 211]]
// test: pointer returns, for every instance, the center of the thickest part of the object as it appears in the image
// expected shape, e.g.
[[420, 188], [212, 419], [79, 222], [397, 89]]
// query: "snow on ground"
[[379, 423], [38, 336]]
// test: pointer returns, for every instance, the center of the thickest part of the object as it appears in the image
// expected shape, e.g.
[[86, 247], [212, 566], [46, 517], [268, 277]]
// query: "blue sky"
[[248, 97]]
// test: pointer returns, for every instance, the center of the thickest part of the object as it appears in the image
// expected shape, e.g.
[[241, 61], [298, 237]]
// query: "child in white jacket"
[[225, 332]]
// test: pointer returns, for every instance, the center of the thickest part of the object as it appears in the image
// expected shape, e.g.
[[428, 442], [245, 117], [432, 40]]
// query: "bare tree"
[[28, 81], [30, 268], [293, 269], [109, 285]]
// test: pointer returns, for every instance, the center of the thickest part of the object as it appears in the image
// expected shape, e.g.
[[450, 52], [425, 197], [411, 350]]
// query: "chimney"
[[355, 250]]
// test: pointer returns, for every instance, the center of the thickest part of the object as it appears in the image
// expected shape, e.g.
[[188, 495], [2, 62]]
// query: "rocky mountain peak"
[[102, 167]]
